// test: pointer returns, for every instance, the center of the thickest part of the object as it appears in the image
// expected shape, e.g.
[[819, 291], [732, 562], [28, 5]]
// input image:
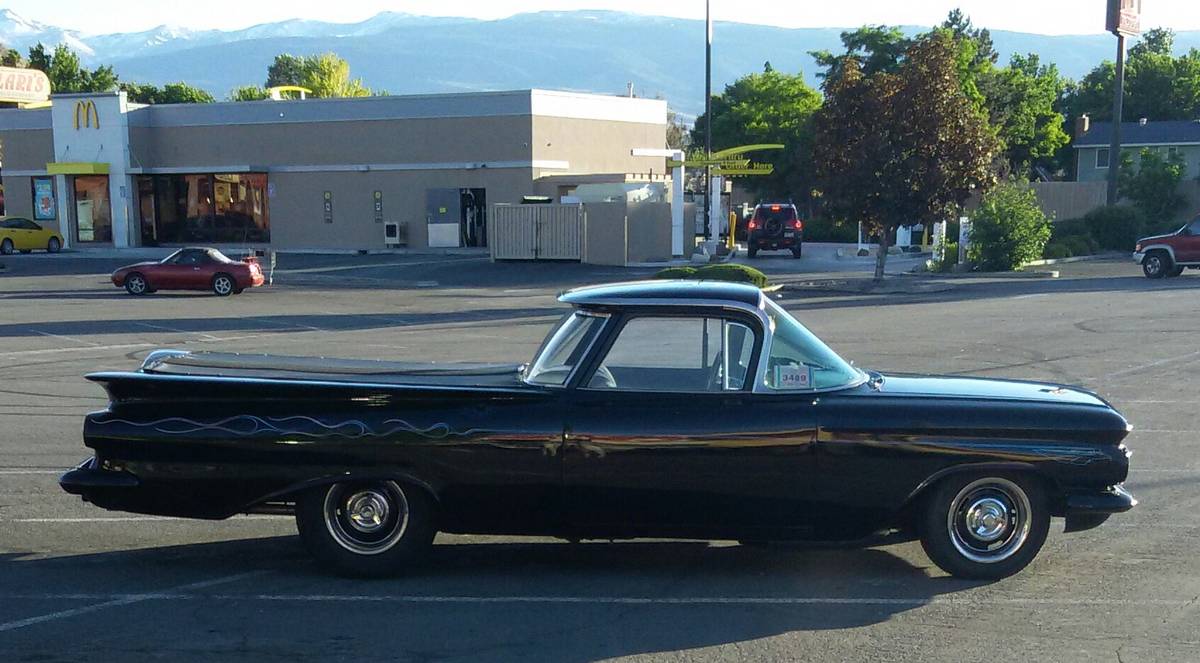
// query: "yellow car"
[[18, 234]]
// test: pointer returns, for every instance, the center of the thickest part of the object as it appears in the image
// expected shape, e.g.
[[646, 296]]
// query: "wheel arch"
[[1053, 491], [295, 489], [1158, 247]]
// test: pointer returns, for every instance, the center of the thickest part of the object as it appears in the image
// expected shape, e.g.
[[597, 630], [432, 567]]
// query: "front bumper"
[[1137, 257], [1085, 511]]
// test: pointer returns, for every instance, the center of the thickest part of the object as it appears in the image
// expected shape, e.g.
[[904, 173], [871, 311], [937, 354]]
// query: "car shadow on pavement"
[[532, 600]]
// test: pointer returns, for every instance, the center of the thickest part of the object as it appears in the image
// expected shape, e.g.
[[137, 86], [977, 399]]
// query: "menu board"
[[43, 199]]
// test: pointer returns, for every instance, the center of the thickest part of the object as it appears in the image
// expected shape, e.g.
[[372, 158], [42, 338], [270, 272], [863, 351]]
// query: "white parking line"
[[66, 338], [208, 337], [1180, 358], [122, 599], [122, 346], [119, 600]]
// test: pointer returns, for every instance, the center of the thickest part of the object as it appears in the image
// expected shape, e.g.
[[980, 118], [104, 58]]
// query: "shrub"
[[732, 272], [949, 260], [1009, 228], [827, 230], [1056, 249], [677, 273], [1067, 228], [1116, 228], [1078, 245]]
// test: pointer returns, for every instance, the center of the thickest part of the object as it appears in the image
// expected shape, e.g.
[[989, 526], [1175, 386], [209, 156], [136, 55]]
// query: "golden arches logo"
[[86, 115]]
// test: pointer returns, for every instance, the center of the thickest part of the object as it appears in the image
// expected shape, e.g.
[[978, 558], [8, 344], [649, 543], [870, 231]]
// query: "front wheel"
[[6, 247], [366, 528], [53, 245], [984, 527], [135, 284], [1156, 264]]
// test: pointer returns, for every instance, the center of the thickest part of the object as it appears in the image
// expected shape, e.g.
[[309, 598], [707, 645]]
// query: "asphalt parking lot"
[[78, 583]]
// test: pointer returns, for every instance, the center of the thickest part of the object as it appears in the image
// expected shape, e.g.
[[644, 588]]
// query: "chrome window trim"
[[587, 351], [760, 383]]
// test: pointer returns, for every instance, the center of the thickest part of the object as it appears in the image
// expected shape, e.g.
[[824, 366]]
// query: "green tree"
[[904, 147], [770, 107], [1158, 85], [248, 93], [171, 93], [1009, 228], [324, 74], [1153, 184], [874, 48], [66, 74], [1022, 104], [677, 132], [10, 57], [287, 69]]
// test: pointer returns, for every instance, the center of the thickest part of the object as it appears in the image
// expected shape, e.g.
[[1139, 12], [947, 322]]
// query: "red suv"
[[774, 226], [1168, 255]]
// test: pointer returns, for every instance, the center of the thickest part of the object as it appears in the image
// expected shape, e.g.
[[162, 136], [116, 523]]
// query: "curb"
[[1059, 261]]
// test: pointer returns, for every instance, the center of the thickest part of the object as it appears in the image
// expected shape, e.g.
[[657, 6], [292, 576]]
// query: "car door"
[[1187, 244], [174, 272], [20, 234], [666, 437]]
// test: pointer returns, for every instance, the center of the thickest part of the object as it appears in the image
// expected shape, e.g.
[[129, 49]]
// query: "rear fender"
[[295, 489]]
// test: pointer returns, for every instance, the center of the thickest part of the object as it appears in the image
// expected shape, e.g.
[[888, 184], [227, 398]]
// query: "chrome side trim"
[[119, 375]]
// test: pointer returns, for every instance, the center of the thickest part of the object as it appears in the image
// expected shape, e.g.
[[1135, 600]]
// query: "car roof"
[[664, 292]]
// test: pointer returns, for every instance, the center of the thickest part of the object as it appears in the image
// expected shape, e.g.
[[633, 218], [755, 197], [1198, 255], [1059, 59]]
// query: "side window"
[[1194, 226], [563, 348], [681, 354], [8, 223], [188, 258], [1102, 157]]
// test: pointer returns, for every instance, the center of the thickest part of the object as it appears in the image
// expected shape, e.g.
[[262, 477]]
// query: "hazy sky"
[[1040, 16]]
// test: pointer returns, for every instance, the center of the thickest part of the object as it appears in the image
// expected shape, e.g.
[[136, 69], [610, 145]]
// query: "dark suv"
[[774, 226]]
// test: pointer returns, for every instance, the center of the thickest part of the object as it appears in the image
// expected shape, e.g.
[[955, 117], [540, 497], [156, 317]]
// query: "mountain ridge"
[[583, 50]]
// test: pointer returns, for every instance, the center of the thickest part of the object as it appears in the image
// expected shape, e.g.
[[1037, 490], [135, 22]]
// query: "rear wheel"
[[984, 527], [6, 247], [135, 284], [223, 285], [366, 528], [752, 251], [1156, 264], [53, 245]]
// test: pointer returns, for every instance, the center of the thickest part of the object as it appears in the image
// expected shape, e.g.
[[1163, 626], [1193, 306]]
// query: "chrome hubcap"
[[136, 284], [989, 520], [366, 518], [223, 285], [1154, 264]]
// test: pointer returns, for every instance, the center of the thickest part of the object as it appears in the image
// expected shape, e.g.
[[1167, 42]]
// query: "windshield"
[[798, 360], [563, 348]]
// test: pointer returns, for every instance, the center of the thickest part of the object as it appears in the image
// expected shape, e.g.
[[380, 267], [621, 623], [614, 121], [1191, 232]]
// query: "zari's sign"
[[23, 86]]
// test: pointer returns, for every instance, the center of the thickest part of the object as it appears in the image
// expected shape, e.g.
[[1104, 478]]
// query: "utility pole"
[[1123, 18], [1114, 146], [708, 118]]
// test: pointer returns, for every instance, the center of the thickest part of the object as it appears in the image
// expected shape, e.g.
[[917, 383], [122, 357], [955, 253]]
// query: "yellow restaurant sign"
[[723, 162], [23, 86], [86, 115]]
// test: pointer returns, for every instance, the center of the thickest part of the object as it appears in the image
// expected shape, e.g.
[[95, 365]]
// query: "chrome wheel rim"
[[223, 285], [137, 284], [989, 520], [366, 518], [1153, 264]]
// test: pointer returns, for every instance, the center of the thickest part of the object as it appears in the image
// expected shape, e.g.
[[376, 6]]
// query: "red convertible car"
[[190, 269]]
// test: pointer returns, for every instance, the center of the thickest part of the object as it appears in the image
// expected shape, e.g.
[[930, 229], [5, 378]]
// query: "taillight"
[[797, 224], [753, 225]]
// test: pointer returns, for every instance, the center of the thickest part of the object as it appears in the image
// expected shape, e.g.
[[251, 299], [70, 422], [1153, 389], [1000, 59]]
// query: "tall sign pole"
[[708, 118], [1123, 19]]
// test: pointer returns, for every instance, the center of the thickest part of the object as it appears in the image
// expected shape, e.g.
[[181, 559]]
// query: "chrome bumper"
[[1137, 257]]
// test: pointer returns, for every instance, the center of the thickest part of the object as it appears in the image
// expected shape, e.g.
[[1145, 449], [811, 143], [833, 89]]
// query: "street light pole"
[[708, 118], [1114, 146]]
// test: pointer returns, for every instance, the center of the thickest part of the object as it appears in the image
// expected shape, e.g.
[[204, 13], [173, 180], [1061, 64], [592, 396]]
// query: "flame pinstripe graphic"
[[247, 425]]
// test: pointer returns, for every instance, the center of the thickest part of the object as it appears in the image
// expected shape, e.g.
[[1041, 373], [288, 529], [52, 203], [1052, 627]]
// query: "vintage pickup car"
[[657, 409]]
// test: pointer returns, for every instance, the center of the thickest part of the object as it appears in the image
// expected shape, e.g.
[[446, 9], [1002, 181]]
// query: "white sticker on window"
[[793, 377]]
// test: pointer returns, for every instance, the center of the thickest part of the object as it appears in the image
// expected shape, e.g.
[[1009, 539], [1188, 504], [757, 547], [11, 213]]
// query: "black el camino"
[[676, 409]]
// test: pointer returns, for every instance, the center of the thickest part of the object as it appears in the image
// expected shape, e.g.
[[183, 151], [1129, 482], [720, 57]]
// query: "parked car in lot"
[[689, 409], [21, 234], [774, 226], [1170, 254], [190, 269]]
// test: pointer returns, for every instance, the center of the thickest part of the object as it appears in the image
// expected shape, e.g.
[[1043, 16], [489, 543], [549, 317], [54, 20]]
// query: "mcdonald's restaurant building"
[[341, 174]]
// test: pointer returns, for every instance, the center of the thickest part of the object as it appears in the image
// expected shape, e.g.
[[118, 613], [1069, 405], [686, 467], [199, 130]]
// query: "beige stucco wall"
[[297, 207], [604, 240], [28, 149], [597, 146], [648, 231], [18, 196], [439, 140]]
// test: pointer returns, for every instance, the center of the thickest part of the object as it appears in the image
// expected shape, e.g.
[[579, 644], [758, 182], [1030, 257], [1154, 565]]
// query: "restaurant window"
[[93, 215], [221, 208]]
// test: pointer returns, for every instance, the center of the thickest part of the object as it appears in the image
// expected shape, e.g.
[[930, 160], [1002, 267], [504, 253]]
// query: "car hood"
[[148, 263], [986, 389], [1155, 238]]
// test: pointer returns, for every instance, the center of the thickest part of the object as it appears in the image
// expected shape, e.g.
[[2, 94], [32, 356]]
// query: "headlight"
[[1137, 248]]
